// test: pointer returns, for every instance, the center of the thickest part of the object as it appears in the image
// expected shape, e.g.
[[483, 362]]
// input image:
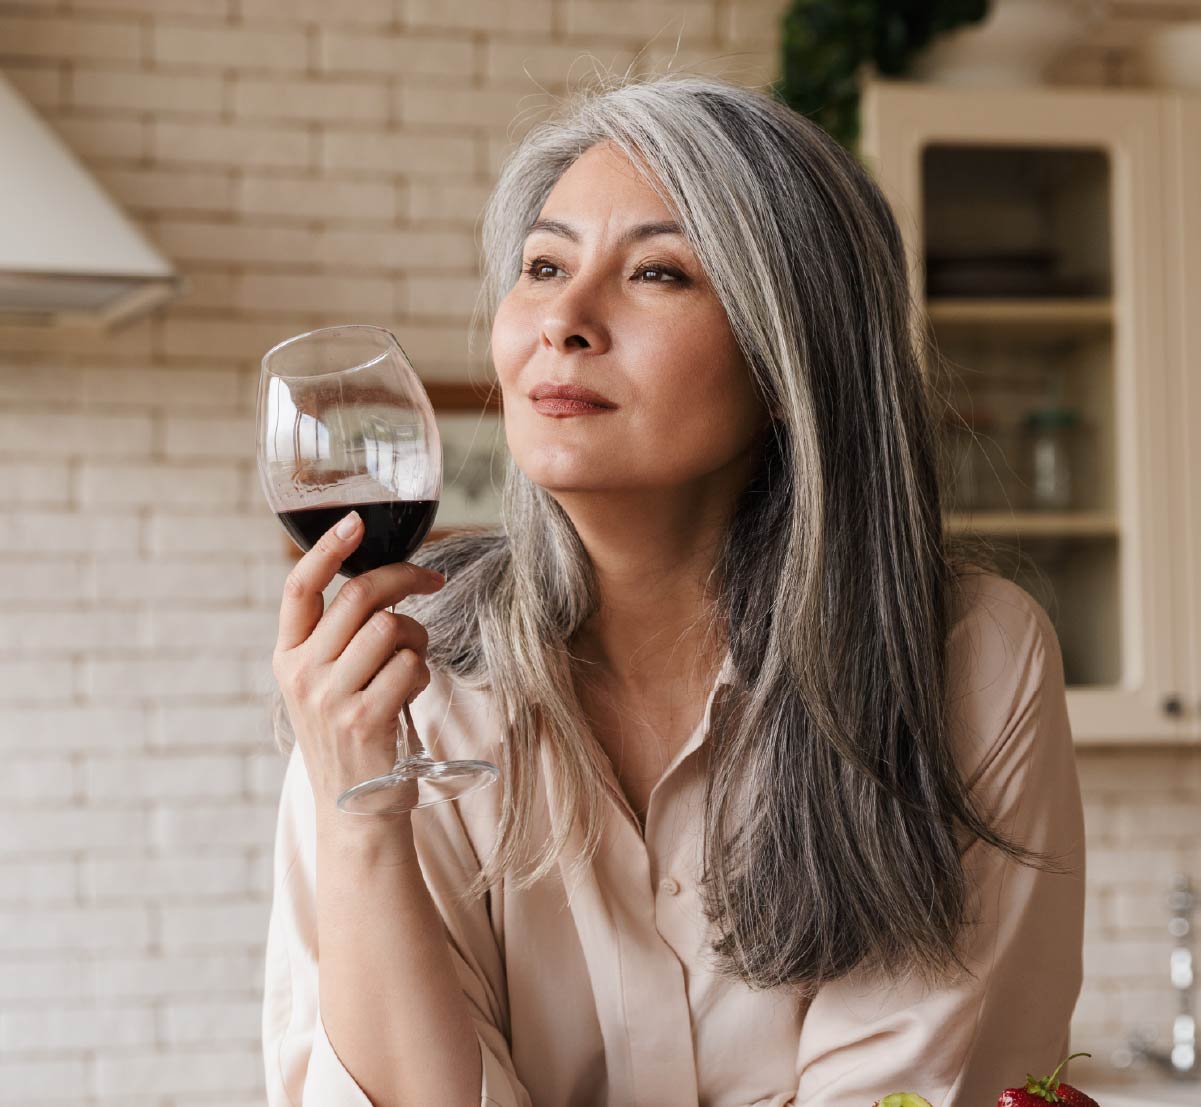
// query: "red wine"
[[393, 530]]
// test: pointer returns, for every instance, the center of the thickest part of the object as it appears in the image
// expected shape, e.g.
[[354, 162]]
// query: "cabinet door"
[[1182, 296], [1034, 224]]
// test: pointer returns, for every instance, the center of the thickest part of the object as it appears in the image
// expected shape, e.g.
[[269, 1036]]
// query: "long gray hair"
[[833, 805]]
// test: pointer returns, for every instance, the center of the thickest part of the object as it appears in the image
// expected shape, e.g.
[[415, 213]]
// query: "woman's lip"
[[558, 405]]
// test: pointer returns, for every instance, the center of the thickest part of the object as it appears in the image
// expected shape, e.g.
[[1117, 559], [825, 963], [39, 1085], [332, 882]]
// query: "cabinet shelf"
[[1034, 524], [1067, 315]]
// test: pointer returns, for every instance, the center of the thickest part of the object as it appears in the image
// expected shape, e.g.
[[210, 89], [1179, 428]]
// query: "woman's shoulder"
[[1003, 662]]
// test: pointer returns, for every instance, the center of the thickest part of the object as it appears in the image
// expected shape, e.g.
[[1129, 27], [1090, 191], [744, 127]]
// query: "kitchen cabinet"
[[1054, 248]]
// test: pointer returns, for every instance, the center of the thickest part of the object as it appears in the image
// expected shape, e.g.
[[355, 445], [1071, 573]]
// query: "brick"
[[444, 104], [71, 631], [169, 976], [143, 90], [65, 829], [102, 484], [215, 629], [230, 144], [215, 534], [39, 681], [101, 140], [649, 20], [49, 533], [74, 1030], [445, 201], [148, 387], [1125, 959], [213, 1023], [36, 882], [70, 38], [209, 290], [1168, 821], [189, 436], [328, 101], [197, 240], [531, 63], [144, 680], [210, 8], [73, 928], [48, 729], [90, 434], [42, 582], [280, 292], [167, 190], [404, 54], [509, 16], [163, 779], [37, 781], [185, 1073], [177, 879], [750, 69], [245, 49], [285, 197], [393, 153], [395, 251], [171, 582], [752, 23], [44, 483], [26, 384], [210, 727], [60, 977], [373, 12], [224, 824], [441, 297], [28, 1082], [1147, 867]]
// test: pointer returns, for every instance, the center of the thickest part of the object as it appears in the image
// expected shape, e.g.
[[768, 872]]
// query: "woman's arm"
[[302, 1065], [353, 921], [390, 999]]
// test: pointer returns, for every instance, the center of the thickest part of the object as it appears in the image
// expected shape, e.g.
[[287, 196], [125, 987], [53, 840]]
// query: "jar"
[[1052, 438]]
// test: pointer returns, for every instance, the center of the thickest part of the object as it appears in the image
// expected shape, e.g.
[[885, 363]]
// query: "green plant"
[[825, 42]]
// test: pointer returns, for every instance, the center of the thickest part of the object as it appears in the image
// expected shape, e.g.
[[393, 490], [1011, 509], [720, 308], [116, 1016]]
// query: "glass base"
[[416, 783]]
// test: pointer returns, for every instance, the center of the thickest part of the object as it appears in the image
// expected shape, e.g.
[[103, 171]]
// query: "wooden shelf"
[[1035, 524], [1066, 316]]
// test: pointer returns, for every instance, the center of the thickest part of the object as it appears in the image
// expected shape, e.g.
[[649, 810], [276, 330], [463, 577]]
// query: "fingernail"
[[439, 577], [348, 526]]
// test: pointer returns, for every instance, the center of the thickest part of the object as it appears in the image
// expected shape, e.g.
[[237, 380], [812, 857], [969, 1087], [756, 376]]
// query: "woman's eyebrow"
[[633, 234]]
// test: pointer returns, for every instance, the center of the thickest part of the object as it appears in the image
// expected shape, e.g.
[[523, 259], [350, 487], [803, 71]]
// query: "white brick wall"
[[305, 163]]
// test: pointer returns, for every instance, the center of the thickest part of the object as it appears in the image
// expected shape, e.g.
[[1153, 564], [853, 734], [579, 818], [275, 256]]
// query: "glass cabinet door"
[[1033, 223]]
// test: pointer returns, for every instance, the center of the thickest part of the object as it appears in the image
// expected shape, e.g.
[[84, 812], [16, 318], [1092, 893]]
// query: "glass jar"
[[1052, 439]]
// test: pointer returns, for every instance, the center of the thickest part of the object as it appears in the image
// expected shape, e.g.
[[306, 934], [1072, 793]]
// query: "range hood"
[[68, 255]]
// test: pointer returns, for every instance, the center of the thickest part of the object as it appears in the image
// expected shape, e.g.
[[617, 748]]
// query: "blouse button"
[[669, 886]]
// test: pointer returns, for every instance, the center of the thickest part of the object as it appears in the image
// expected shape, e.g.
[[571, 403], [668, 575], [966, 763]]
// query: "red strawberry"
[[1047, 1090]]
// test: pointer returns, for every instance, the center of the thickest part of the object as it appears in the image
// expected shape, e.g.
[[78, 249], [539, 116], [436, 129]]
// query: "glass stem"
[[408, 742]]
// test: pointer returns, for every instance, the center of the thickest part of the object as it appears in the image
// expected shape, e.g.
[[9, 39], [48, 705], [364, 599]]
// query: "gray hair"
[[833, 801]]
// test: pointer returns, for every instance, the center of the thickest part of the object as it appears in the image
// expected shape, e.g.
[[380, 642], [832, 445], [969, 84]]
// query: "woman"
[[789, 812]]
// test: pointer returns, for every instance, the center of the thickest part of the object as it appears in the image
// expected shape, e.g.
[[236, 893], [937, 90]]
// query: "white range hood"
[[68, 254]]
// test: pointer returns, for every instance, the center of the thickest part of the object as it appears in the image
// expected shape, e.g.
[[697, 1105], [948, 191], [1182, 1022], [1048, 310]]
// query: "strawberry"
[[1047, 1090]]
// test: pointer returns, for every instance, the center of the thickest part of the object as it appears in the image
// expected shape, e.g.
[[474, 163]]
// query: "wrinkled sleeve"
[[300, 1063], [960, 1044]]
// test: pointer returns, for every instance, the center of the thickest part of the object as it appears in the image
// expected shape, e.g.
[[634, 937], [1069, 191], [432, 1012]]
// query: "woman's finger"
[[359, 598], [302, 604], [367, 652], [397, 683]]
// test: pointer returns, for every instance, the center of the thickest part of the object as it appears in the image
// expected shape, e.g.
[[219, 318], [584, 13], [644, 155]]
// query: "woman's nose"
[[572, 321]]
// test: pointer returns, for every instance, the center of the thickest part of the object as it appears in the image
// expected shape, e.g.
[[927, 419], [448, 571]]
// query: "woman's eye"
[[535, 267], [662, 270]]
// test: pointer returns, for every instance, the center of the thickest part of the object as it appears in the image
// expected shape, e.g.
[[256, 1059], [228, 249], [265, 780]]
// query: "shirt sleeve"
[[302, 1068], [962, 1043]]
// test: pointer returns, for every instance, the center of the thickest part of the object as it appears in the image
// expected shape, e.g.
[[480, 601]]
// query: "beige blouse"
[[601, 992]]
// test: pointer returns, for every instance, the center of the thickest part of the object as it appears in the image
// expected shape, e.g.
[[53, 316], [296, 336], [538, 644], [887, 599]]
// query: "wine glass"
[[344, 424]]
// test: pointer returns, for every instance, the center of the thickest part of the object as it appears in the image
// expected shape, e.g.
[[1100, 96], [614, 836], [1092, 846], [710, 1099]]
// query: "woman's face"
[[629, 315]]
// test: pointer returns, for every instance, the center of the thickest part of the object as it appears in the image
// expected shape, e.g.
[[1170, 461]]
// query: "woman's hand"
[[347, 673]]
